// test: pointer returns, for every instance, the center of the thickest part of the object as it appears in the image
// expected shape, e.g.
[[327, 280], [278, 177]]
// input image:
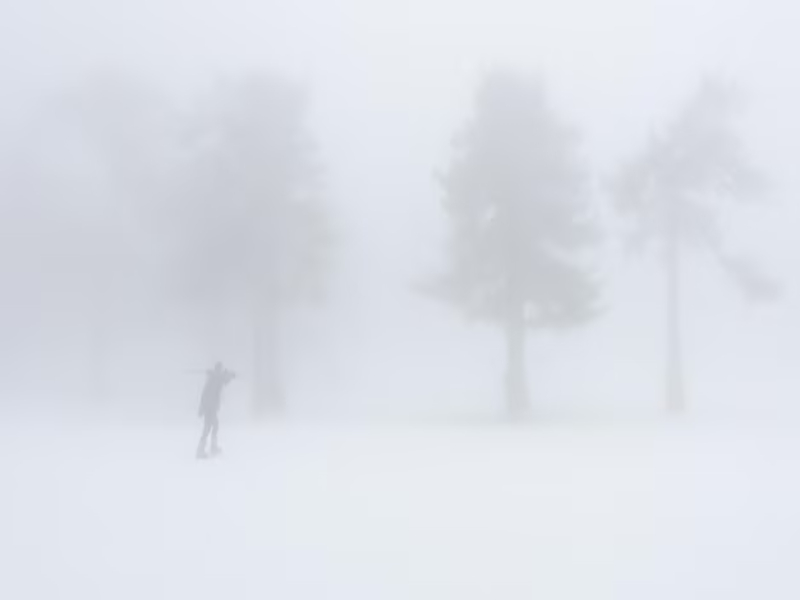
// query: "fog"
[[387, 87], [437, 242]]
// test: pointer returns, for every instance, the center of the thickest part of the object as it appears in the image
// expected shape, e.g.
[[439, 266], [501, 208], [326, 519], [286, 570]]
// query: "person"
[[216, 379]]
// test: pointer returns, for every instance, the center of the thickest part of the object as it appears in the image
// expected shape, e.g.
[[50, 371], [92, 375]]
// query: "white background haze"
[[97, 504]]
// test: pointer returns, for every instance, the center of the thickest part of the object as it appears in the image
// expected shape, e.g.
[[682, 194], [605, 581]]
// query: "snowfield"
[[375, 512]]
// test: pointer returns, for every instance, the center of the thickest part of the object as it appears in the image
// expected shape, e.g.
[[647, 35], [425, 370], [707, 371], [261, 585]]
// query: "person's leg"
[[214, 430], [201, 446]]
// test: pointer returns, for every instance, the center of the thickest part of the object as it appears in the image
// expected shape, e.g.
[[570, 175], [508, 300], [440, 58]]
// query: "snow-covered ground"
[[369, 512]]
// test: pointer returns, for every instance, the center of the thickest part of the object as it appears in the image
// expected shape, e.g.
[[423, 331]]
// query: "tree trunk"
[[674, 384], [268, 397], [214, 330], [516, 388], [99, 380], [99, 343]]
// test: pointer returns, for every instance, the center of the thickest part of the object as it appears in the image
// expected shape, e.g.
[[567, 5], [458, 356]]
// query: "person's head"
[[218, 366]]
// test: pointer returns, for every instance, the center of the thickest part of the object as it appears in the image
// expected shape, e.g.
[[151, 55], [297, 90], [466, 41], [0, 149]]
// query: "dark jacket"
[[211, 398]]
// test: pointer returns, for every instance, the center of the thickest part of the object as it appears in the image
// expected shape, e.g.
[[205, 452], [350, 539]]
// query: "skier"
[[210, 400]]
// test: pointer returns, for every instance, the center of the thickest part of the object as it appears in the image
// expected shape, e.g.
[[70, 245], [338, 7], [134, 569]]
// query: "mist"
[[503, 292]]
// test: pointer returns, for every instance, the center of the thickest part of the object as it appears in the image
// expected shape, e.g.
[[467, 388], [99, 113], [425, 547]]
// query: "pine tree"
[[671, 195], [257, 231], [516, 197]]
